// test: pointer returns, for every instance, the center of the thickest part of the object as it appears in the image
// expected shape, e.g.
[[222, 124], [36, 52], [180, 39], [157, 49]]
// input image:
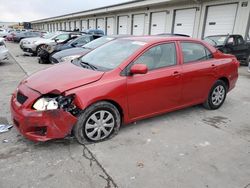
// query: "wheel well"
[[117, 106], [225, 80]]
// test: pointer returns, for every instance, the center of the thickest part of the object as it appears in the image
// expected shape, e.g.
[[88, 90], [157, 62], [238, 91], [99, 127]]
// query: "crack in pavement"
[[90, 156], [20, 66]]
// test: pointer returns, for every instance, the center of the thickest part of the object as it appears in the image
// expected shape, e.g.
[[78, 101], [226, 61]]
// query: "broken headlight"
[[46, 103], [55, 102]]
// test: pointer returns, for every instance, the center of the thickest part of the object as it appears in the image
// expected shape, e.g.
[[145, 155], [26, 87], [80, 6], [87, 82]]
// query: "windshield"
[[216, 40], [112, 54], [49, 35], [98, 42]]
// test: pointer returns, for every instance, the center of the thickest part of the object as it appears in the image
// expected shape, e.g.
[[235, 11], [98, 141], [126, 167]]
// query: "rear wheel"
[[97, 123], [217, 95], [38, 49]]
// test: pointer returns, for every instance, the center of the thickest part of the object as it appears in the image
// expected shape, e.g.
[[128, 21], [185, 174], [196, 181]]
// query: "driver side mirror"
[[139, 69], [56, 40]]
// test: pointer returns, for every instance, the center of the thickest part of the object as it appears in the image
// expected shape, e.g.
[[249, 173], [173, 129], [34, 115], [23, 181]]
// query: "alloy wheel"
[[218, 95], [99, 125]]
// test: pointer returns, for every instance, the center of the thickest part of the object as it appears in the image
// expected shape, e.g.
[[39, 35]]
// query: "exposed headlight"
[[69, 58], [46, 103]]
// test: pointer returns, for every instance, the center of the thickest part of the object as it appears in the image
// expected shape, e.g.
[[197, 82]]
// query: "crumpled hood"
[[70, 52], [61, 77]]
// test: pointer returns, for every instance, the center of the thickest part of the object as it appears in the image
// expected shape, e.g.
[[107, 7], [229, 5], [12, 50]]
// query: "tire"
[[90, 127], [217, 95], [38, 49]]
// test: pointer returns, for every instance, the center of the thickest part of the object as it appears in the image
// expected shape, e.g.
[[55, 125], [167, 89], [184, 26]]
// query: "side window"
[[62, 37], [240, 40], [231, 41], [82, 40], [194, 52], [163, 55]]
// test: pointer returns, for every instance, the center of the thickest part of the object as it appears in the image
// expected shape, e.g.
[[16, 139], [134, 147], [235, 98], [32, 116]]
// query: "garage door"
[[220, 19], [110, 26], [158, 23], [184, 21], [91, 24], [78, 25], [84, 25], [138, 24], [100, 24], [123, 25]]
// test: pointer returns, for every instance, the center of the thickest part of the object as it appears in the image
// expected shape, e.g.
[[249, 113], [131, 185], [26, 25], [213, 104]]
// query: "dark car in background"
[[69, 54], [22, 35], [48, 50], [231, 44]]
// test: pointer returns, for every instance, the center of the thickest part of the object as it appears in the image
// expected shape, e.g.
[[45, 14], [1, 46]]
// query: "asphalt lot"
[[190, 148]]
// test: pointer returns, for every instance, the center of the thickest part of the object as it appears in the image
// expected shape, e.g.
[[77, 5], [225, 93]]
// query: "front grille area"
[[21, 98]]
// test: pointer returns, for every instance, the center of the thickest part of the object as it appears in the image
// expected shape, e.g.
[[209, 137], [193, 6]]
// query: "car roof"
[[159, 38]]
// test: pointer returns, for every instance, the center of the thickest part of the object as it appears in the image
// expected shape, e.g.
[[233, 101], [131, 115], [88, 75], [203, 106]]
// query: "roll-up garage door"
[[220, 19], [67, 26], [78, 25], [184, 21], [123, 25], [138, 24], [110, 26], [158, 23], [91, 24], [100, 24], [84, 25]]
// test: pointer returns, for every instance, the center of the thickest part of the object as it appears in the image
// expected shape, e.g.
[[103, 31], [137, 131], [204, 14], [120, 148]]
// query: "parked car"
[[48, 50], [123, 81], [3, 33], [231, 44], [3, 50], [27, 34], [69, 54], [34, 45], [96, 32]]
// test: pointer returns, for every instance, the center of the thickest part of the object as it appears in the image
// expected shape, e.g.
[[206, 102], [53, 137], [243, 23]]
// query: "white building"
[[197, 18]]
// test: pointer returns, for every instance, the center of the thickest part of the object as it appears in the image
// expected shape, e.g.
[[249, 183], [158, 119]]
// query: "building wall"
[[241, 24]]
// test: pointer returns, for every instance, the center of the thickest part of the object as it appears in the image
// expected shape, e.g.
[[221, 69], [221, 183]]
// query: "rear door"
[[159, 89], [198, 73], [239, 47]]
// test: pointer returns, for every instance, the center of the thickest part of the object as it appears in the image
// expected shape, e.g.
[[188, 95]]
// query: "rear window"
[[193, 52]]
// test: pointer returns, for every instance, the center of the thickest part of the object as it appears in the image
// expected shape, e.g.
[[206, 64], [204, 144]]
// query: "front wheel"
[[97, 123], [217, 96]]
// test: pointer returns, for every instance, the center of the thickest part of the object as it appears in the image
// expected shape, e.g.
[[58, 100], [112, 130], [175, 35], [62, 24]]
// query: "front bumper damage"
[[39, 125]]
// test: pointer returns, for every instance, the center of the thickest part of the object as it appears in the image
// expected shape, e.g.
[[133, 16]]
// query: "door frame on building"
[[117, 26], [132, 21], [206, 13], [150, 18], [174, 17]]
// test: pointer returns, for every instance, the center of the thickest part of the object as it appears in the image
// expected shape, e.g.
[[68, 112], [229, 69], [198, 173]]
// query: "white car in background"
[[3, 50], [34, 45], [3, 32]]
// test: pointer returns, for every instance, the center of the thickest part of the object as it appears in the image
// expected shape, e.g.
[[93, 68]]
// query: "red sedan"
[[120, 82]]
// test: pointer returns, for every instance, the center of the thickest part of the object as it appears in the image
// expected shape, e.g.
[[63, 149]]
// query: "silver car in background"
[[3, 50], [34, 45]]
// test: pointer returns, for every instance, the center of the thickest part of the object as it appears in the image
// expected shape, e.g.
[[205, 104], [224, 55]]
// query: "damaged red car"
[[121, 82]]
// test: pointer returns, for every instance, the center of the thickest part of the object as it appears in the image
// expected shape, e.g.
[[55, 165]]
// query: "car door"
[[241, 48], [198, 72], [160, 88]]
